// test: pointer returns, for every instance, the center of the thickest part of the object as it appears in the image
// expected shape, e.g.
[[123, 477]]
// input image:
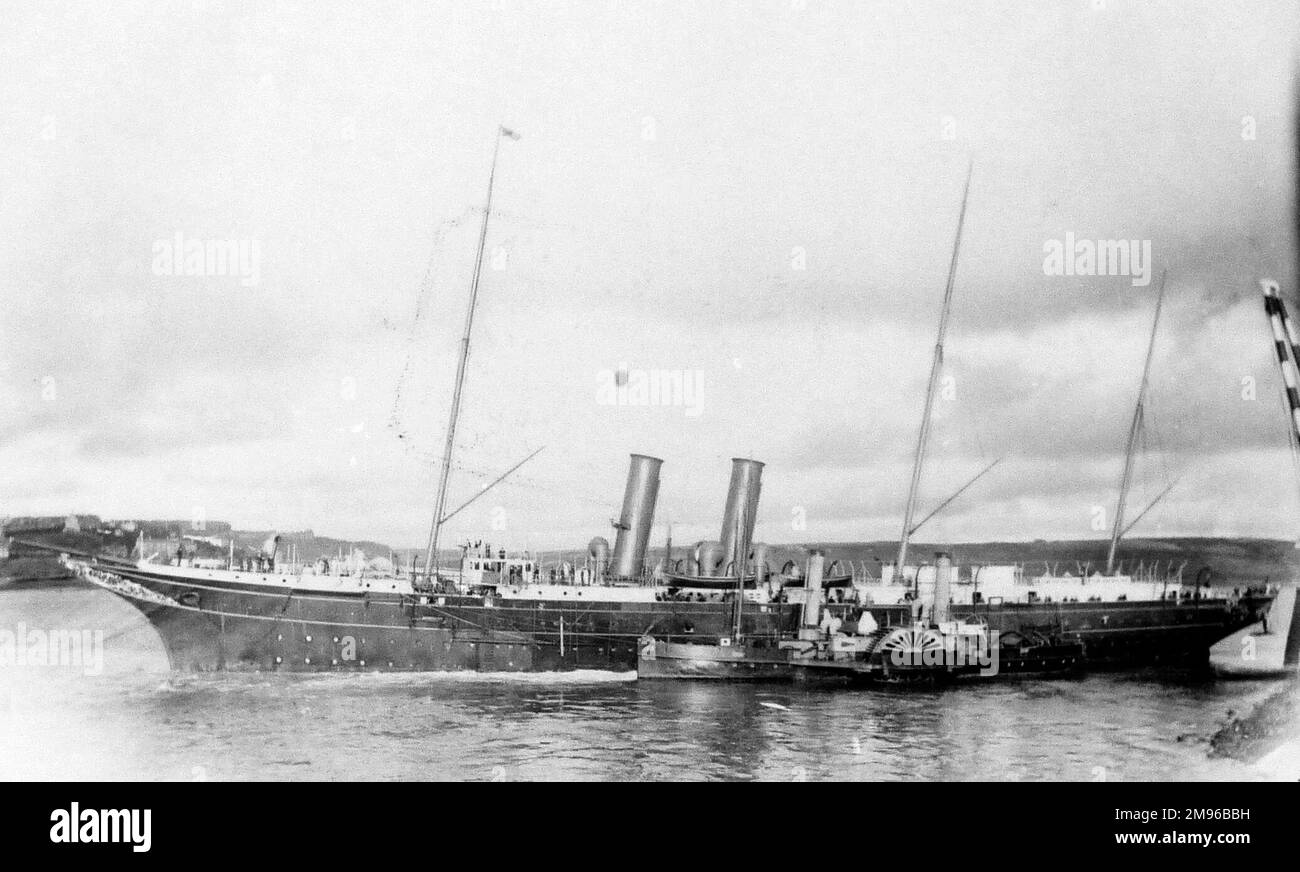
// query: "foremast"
[[1134, 433], [435, 530], [936, 366]]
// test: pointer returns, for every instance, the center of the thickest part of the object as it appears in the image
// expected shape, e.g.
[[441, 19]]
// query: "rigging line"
[[1151, 505], [562, 491], [958, 493], [1156, 442], [458, 465], [522, 481], [979, 441], [421, 300], [447, 517], [1140, 469]]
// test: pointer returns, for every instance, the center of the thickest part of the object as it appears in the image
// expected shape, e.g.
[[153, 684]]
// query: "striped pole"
[[1291, 649], [1288, 353], [1291, 337], [1284, 341]]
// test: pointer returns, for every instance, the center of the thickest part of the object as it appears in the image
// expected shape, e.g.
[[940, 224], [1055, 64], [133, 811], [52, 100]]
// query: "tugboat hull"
[[659, 659]]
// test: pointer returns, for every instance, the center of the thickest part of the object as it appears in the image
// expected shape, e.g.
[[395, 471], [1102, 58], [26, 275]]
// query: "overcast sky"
[[762, 194]]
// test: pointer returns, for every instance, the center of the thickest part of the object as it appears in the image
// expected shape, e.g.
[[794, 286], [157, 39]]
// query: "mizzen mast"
[[1134, 432], [935, 367], [431, 557]]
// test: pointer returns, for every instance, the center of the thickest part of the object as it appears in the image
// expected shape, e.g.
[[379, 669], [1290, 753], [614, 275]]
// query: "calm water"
[[137, 721]]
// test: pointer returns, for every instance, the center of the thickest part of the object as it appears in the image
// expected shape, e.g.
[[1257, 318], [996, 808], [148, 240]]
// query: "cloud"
[[770, 203]]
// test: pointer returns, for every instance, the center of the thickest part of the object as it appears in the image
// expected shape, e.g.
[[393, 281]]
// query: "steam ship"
[[503, 612], [498, 612]]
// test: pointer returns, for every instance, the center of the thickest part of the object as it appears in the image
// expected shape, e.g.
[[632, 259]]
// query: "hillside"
[[1253, 560], [118, 539], [1244, 559], [309, 546]]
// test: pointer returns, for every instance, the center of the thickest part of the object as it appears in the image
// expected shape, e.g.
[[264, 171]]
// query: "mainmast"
[[1134, 432], [935, 367], [431, 558]]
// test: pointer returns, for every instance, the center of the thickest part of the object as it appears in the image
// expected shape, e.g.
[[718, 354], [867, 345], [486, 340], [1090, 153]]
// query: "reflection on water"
[[137, 721], [604, 727]]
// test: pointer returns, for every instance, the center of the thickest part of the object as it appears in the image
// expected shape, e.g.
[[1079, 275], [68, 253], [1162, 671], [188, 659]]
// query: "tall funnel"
[[742, 498], [637, 518]]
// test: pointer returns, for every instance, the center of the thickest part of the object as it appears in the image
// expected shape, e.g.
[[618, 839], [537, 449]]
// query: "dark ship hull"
[[219, 624], [1129, 634]]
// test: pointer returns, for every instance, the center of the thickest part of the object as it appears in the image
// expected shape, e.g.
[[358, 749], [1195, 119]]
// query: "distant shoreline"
[[1248, 559]]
